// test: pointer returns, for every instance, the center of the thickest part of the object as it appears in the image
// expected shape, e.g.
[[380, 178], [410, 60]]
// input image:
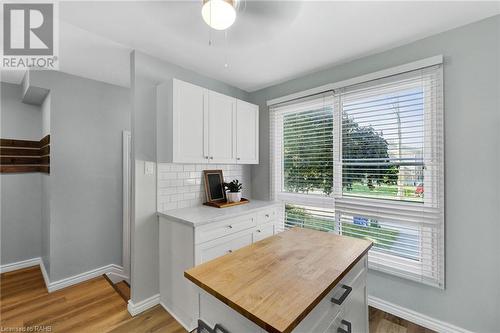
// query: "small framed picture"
[[214, 186]]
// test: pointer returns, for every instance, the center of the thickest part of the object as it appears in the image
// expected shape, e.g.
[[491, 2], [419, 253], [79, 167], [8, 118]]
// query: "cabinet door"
[[221, 133], [247, 133], [189, 130]]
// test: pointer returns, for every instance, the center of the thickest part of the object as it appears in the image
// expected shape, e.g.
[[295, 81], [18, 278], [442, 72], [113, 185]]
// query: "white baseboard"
[[136, 308], [415, 317], [45, 274], [187, 327], [20, 264], [114, 272], [69, 281], [117, 274]]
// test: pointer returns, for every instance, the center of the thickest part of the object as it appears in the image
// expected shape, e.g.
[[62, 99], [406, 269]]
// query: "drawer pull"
[[258, 230], [344, 295], [230, 226], [203, 327], [267, 215], [229, 251], [348, 326]]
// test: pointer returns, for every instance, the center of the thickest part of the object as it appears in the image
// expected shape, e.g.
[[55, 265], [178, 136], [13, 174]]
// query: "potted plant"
[[233, 193]]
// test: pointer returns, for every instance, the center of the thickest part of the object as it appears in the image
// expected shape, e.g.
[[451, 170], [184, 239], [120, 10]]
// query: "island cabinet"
[[198, 125], [193, 236], [299, 281]]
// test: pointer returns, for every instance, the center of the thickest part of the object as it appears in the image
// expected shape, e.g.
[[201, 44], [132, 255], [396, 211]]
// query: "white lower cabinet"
[[184, 245], [263, 231], [220, 247]]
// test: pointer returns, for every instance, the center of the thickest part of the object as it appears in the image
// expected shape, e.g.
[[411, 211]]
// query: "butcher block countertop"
[[277, 281]]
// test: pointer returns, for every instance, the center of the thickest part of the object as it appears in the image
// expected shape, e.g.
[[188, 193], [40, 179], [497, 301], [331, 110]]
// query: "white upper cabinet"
[[203, 126], [221, 129], [189, 132], [247, 133]]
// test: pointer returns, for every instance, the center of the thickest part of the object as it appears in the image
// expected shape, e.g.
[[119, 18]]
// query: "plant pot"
[[233, 196]]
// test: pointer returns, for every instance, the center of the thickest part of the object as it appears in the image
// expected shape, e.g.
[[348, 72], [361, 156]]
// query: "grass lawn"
[[383, 191], [381, 237]]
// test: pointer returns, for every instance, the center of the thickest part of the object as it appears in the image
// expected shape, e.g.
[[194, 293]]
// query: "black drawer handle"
[[204, 328], [344, 295], [347, 324]]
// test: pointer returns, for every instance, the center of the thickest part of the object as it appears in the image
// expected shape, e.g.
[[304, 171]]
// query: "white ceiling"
[[270, 42]]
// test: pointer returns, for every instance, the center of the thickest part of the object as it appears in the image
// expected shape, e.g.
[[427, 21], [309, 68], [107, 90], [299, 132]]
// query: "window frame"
[[435, 194]]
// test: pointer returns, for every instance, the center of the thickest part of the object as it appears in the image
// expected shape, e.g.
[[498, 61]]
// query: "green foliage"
[[362, 142], [299, 217], [233, 186], [308, 153], [382, 237]]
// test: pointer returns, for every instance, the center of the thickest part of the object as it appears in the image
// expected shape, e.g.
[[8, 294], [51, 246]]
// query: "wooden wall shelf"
[[23, 156]]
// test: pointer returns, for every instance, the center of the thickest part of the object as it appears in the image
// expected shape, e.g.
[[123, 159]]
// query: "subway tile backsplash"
[[182, 185]]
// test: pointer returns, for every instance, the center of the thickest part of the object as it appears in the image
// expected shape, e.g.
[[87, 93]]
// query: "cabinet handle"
[[230, 226], [344, 295], [211, 157], [203, 327], [267, 215], [206, 157], [258, 230], [229, 251], [237, 158], [348, 326]]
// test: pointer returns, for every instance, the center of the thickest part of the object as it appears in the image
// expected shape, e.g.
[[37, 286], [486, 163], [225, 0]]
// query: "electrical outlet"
[[149, 168]]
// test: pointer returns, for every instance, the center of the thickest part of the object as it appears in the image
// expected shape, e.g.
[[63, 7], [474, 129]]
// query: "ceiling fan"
[[221, 14]]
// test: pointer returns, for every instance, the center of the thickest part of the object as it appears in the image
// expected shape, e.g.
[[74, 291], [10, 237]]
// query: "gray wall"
[[20, 193], [87, 118], [472, 120], [149, 136]]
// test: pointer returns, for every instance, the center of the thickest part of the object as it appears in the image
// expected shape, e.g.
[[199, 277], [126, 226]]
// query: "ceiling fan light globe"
[[218, 14]]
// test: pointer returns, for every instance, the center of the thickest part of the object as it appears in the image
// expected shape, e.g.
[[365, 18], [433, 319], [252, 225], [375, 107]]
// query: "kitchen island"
[[195, 235], [299, 280]]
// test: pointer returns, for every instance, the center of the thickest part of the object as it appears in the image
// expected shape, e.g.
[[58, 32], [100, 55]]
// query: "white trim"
[[20, 264], [136, 308], [126, 204], [415, 317], [177, 318], [114, 272], [69, 281], [117, 274], [427, 62], [44, 273]]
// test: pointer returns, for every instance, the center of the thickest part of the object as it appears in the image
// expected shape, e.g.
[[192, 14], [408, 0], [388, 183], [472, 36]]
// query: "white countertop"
[[200, 215]]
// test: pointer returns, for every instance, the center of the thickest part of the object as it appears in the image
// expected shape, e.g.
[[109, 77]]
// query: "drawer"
[[224, 228], [353, 316], [321, 317], [263, 231], [224, 246], [337, 323], [267, 215]]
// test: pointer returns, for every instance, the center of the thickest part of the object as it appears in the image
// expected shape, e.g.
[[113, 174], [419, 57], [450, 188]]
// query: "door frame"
[[127, 175]]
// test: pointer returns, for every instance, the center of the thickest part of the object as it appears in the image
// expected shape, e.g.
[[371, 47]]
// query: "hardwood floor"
[[98, 306], [91, 306], [382, 322], [123, 289]]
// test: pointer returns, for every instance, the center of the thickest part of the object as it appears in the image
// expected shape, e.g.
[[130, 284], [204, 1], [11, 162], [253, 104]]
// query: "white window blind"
[[367, 161]]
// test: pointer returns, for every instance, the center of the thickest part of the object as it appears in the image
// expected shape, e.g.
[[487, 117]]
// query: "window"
[[366, 161]]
